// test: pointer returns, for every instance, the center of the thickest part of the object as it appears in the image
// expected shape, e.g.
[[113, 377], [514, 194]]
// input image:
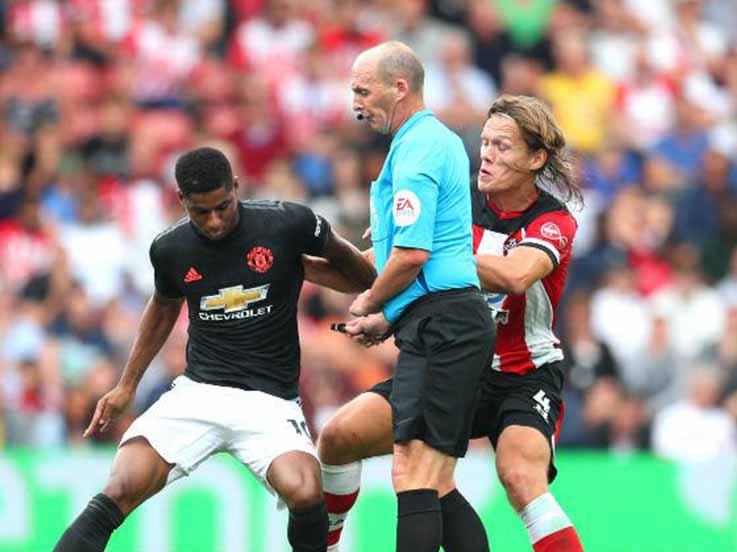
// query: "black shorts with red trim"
[[531, 400]]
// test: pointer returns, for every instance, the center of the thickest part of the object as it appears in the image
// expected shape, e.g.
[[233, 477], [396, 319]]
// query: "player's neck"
[[404, 113], [515, 200]]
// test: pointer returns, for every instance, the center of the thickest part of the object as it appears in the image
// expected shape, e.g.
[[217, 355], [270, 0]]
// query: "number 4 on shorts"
[[543, 404]]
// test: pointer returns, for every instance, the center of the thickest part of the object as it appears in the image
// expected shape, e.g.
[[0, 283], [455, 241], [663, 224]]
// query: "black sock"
[[92, 528], [308, 529], [462, 527], [419, 521]]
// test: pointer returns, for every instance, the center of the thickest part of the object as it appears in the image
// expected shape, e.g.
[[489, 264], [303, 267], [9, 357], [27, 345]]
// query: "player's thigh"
[[361, 428], [522, 446], [138, 473], [523, 457], [180, 434], [264, 432], [525, 414]]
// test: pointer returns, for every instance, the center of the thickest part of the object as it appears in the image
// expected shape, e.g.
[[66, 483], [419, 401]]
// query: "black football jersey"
[[242, 294]]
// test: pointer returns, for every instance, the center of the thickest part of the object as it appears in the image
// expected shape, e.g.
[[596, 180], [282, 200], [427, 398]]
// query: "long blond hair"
[[540, 130]]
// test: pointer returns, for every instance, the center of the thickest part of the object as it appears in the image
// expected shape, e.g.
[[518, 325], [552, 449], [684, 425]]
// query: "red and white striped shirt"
[[525, 340]]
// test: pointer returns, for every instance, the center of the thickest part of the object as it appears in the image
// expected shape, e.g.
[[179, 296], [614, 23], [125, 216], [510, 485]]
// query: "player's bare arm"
[[156, 324], [401, 269], [515, 272], [322, 272]]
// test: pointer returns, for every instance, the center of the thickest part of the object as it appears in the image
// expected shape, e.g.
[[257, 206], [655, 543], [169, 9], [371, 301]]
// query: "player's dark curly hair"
[[203, 170]]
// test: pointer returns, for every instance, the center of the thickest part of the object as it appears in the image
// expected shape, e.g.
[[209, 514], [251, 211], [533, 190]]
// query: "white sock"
[[543, 516], [340, 485]]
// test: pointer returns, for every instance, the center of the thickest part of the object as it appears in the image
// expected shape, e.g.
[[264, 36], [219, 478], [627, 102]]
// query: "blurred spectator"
[[684, 147], [614, 40], [272, 44], [645, 103], [695, 315], [494, 46], [162, 57], [728, 286], [34, 420], [173, 362], [589, 361], [106, 152], [262, 136], [27, 91], [314, 99], [619, 315], [581, 96], [459, 92], [39, 21], [611, 168], [698, 210], [695, 429], [96, 250], [413, 25], [26, 245], [689, 44], [526, 21], [348, 31]]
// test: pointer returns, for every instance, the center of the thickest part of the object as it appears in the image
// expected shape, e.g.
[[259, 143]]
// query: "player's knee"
[[337, 444], [514, 478], [409, 474], [125, 492], [522, 481], [303, 491]]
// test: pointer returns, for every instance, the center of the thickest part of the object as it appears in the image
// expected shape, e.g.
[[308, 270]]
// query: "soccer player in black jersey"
[[240, 267]]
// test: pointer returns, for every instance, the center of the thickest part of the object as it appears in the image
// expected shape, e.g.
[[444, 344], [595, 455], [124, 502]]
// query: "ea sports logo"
[[406, 208]]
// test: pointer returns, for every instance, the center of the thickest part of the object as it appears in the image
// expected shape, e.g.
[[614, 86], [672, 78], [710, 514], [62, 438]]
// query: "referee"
[[427, 290]]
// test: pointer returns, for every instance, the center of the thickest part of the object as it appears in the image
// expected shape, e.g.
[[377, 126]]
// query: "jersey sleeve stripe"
[[543, 246]]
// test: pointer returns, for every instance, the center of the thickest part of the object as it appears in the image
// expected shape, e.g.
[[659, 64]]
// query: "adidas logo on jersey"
[[192, 275]]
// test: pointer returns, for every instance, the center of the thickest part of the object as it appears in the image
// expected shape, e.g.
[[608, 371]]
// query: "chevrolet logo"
[[234, 298]]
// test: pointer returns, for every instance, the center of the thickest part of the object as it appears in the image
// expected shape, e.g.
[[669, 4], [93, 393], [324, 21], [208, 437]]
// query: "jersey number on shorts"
[[543, 404], [299, 427]]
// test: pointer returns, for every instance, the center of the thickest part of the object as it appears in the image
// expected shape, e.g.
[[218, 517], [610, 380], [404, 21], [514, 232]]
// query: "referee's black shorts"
[[445, 341], [531, 400]]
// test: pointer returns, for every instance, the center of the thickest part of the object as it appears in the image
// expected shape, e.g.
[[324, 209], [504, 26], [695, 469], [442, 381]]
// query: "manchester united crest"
[[260, 259]]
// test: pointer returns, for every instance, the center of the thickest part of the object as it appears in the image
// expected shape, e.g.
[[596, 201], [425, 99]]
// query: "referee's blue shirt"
[[422, 200]]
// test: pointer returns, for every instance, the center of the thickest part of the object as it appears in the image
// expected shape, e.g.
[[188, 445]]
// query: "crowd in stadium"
[[98, 98]]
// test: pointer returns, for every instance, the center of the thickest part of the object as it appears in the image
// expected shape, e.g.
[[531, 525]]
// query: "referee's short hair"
[[203, 170], [397, 60]]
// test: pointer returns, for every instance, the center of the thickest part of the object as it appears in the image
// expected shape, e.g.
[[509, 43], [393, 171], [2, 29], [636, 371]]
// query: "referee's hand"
[[363, 305], [108, 408], [368, 330]]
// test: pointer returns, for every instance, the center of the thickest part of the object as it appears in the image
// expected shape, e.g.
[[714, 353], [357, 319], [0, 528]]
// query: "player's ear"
[[181, 197], [235, 183], [402, 88], [538, 159]]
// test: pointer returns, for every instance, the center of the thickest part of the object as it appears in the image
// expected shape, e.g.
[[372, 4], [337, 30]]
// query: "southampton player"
[[523, 237], [240, 267]]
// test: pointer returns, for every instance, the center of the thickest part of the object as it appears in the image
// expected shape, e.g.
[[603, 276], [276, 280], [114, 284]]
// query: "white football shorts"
[[193, 421]]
